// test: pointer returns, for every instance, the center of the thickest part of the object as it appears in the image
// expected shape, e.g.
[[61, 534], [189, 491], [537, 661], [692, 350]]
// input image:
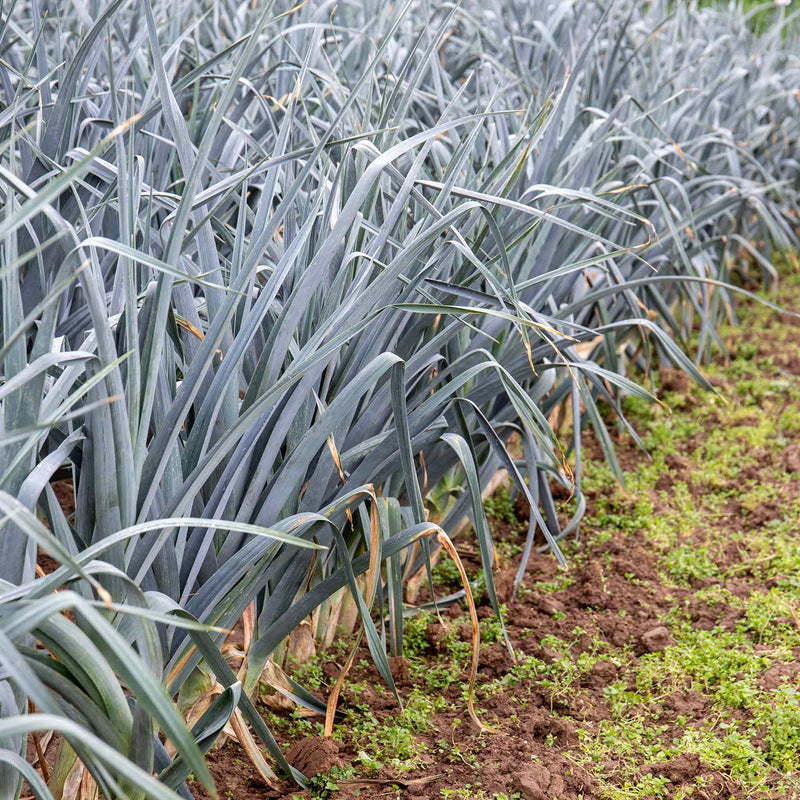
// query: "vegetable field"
[[398, 399]]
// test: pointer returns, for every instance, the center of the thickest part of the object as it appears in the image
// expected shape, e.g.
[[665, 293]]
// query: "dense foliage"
[[279, 286]]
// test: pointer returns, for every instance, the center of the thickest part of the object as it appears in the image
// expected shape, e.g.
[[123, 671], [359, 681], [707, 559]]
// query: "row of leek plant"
[[273, 275]]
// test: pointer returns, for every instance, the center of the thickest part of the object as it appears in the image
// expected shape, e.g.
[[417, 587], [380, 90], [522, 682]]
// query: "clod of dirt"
[[504, 583], [678, 462], [562, 730], [678, 468], [376, 700], [766, 512], [601, 674], [495, 660], [674, 380], [688, 702], [705, 618], [777, 674], [791, 458], [617, 629], [399, 667], [557, 787], [656, 640], [547, 604], [330, 670], [314, 755], [682, 769], [436, 633], [590, 581], [664, 483], [522, 509], [532, 782]]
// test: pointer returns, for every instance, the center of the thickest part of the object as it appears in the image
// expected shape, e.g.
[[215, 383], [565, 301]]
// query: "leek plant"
[[273, 273]]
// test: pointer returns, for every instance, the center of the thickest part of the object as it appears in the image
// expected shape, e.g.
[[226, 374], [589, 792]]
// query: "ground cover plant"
[[283, 288]]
